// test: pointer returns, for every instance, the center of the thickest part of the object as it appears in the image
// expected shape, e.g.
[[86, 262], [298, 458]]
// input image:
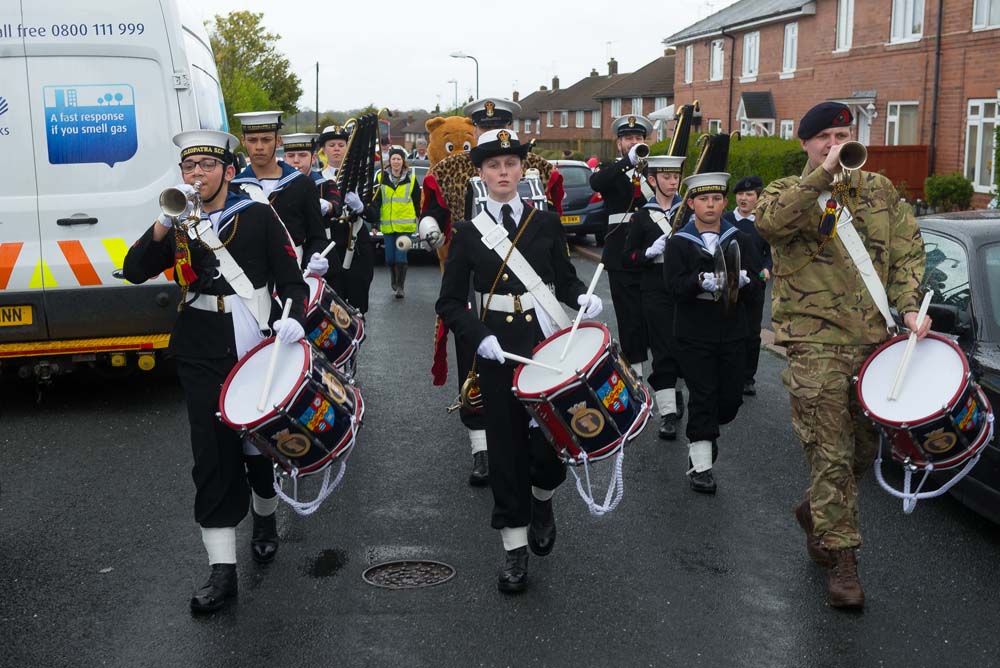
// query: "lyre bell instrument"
[[174, 201]]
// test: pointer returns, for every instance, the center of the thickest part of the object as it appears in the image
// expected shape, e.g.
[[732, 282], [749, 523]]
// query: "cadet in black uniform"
[[623, 193], [524, 468], [292, 194], [708, 336], [215, 326], [644, 246]]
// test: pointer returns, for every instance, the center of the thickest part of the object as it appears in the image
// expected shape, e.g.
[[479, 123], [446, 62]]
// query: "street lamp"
[[455, 81], [459, 54]]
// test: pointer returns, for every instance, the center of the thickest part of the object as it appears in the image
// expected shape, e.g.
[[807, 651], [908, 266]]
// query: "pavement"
[[100, 551]]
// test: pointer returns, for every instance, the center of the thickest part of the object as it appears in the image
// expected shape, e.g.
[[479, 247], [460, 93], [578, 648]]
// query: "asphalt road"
[[100, 552]]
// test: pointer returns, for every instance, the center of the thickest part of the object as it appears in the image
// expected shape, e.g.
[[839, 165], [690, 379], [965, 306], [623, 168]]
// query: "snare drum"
[[594, 406], [313, 411], [335, 327], [940, 416]]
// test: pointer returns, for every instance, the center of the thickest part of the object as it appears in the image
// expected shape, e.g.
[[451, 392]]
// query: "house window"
[[636, 105], [564, 119], [517, 125], [790, 55], [548, 119], [845, 24], [907, 20], [751, 53], [787, 129], [616, 107], [579, 119], [527, 126], [979, 127], [595, 119], [715, 61], [689, 62], [902, 124], [986, 14], [659, 103], [714, 126]]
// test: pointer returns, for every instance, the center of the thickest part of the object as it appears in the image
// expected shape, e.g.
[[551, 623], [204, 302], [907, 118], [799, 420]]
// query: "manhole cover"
[[408, 574]]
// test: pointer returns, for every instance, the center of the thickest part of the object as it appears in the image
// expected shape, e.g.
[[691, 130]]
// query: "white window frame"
[[904, 13], [985, 7], [616, 107], [564, 119], [790, 51], [751, 56], [517, 125], [787, 129], [579, 118], [845, 25], [548, 119], [689, 63], [977, 119], [714, 126], [716, 60], [527, 126], [637, 106], [892, 119], [659, 102], [595, 119]]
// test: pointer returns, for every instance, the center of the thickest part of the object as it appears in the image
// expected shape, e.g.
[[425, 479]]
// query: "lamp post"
[[460, 54], [455, 81]]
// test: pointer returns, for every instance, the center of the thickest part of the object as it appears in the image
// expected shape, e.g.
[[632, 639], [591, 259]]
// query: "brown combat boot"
[[817, 553], [843, 582]]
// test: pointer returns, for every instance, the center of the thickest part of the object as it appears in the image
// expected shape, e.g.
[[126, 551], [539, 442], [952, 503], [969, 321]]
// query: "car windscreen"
[[575, 177], [991, 264]]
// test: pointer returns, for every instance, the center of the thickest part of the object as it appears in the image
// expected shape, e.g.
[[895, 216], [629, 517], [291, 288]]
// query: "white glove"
[[744, 279], [168, 221], [324, 207], [318, 264], [657, 248], [632, 157], [431, 231], [708, 283], [353, 202], [288, 330], [592, 306], [165, 220], [489, 348]]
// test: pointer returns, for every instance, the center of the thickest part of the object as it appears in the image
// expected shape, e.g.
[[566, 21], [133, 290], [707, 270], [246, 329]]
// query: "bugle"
[[174, 201]]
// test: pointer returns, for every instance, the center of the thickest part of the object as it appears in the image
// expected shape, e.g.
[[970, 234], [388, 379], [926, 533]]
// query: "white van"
[[90, 96]]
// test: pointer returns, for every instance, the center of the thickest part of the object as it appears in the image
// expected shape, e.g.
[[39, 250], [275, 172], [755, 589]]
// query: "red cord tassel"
[[183, 271]]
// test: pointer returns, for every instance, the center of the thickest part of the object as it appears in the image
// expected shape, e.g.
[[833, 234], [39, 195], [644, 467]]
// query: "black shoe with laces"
[[480, 474], [668, 427], [513, 575], [220, 588]]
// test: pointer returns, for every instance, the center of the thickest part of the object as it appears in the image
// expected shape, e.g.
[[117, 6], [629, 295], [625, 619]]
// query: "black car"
[[963, 269], [583, 210]]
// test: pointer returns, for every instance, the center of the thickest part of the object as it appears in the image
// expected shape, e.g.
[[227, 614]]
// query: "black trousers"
[[222, 475], [754, 306], [627, 299], [713, 373], [519, 457], [658, 310], [354, 284]]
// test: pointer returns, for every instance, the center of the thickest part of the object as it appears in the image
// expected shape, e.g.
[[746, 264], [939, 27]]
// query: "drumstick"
[[910, 344], [526, 360], [325, 252], [274, 361], [579, 315]]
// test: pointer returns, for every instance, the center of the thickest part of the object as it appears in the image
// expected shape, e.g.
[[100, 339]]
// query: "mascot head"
[[449, 135]]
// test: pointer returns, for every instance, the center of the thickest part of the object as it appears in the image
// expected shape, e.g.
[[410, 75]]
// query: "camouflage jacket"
[[826, 300]]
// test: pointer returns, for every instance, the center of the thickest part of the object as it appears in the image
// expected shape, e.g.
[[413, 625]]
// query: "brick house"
[[649, 88], [910, 78], [528, 121], [574, 114]]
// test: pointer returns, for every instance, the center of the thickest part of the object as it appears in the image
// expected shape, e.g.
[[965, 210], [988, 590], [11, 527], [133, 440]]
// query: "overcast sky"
[[396, 54]]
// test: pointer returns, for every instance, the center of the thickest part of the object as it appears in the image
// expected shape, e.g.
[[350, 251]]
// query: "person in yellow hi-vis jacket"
[[396, 203]]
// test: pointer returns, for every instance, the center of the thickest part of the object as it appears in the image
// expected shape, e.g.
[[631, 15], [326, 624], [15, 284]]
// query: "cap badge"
[[504, 138], [490, 107], [631, 121]]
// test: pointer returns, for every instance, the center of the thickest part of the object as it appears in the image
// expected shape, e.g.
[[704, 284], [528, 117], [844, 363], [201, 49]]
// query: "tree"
[[255, 76]]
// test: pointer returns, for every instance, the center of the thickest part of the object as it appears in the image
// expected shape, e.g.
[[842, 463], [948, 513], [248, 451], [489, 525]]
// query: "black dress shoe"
[[513, 575], [703, 482], [221, 587], [749, 389], [680, 404], [668, 427], [542, 530], [264, 541], [480, 474]]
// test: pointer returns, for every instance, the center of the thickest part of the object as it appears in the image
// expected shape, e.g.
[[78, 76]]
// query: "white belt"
[[507, 303], [706, 295], [619, 218], [213, 303], [658, 259]]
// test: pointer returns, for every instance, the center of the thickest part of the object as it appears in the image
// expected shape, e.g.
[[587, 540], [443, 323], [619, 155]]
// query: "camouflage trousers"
[[839, 441]]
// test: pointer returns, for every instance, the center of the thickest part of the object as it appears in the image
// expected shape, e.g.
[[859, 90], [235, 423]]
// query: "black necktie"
[[508, 220]]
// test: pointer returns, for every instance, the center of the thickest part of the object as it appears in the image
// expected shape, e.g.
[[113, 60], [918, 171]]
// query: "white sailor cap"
[[299, 141], [206, 142], [631, 123], [260, 121], [334, 132], [709, 182], [492, 112], [497, 142], [665, 163]]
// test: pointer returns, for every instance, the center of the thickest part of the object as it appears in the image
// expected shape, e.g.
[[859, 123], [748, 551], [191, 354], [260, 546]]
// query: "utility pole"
[[317, 96]]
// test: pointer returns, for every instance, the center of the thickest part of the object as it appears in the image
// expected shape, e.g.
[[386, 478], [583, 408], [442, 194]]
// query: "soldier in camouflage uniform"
[[826, 318]]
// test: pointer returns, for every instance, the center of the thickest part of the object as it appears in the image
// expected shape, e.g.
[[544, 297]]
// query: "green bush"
[[948, 192]]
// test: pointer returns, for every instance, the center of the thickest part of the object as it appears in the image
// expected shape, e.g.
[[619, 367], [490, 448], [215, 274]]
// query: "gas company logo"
[[4, 130]]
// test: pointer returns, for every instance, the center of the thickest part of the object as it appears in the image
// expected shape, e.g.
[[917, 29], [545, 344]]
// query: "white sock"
[[700, 453], [264, 507], [477, 440], [220, 545], [542, 494], [666, 401], [637, 369], [514, 537]]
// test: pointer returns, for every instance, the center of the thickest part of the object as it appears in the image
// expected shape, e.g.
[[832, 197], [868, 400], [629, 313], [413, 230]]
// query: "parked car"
[[583, 209], [963, 269]]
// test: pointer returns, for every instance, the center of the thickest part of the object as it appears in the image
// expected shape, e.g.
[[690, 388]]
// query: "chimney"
[[612, 67], [516, 96], [543, 87], [669, 51], [594, 72], [555, 82]]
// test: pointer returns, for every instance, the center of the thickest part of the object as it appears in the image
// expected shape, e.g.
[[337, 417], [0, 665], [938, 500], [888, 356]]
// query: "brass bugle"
[[174, 201], [853, 155]]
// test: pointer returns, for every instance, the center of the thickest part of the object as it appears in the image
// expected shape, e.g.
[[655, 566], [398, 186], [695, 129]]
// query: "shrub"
[[948, 192]]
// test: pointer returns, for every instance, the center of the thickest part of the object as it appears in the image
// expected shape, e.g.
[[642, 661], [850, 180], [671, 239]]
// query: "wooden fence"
[[905, 166]]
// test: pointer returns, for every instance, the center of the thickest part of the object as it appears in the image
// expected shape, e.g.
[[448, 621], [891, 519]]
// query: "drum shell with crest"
[[594, 406], [313, 410], [335, 327]]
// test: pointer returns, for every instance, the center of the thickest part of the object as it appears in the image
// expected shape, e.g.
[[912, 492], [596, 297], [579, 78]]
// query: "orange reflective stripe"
[[79, 263], [8, 258]]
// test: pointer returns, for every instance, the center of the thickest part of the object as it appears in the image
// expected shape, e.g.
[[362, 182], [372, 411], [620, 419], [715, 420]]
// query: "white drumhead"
[[934, 376], [243, 393], [586, 343]]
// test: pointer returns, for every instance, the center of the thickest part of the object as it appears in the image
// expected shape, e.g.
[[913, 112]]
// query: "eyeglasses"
[[206, 164]]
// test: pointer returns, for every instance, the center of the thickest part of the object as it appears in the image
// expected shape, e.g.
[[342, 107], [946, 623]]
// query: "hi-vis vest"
[[398, 215]]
